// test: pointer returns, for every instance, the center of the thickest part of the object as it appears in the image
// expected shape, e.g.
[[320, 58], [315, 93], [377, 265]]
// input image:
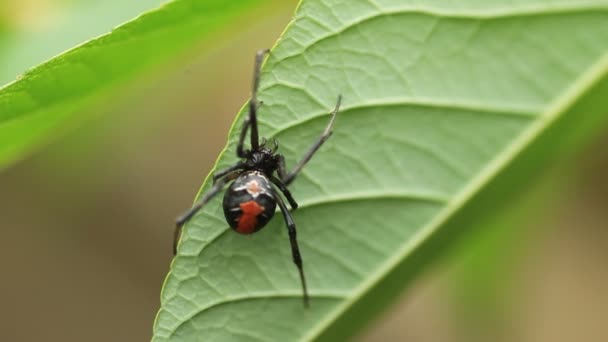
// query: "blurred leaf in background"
[[48, 97], [36, 30]]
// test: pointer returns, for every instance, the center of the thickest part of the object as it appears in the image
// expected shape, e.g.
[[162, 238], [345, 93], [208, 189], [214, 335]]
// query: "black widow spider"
[[250, 201]]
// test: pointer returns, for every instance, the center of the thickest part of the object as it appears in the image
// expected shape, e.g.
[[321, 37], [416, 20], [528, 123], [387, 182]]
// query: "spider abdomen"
[[249, 203]]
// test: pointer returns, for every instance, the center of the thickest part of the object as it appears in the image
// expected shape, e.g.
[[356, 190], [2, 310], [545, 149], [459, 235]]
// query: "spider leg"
[[221, 173], [288, 178], [281, 170], [217, 187], [253, 103], [285, 191], [240, 151], [295, 250]]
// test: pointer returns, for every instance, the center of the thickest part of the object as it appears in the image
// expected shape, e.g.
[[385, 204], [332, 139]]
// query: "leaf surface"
[[448, 108]]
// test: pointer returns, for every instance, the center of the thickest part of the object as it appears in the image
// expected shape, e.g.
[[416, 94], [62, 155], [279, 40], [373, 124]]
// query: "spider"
[[251, 199]]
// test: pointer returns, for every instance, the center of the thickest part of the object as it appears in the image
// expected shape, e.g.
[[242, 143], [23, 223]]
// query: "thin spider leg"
[[240, 151], [240, 147], [281, 169], [217, 187], [285, 191], [288, 178], [226, 171], [295, 250], [253, 103]]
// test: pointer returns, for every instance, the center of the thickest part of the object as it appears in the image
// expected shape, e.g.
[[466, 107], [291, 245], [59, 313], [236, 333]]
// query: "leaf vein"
[[258, 296]]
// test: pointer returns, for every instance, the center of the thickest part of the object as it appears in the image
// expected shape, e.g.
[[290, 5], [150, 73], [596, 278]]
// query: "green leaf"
[[58, 93], [449, 108], [30, 36]]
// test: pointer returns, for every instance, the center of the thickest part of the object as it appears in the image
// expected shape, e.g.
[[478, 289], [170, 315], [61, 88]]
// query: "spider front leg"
[[253, 103], [217, 187], [287, 178], [240, 149], [240, 146], [295, 250]]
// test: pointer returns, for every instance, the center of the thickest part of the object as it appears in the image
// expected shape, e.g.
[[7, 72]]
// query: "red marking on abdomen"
[[249, 219]]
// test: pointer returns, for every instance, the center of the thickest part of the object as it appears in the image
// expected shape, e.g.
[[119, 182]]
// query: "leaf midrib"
[[563, 101], [260, 295], [492, 13]]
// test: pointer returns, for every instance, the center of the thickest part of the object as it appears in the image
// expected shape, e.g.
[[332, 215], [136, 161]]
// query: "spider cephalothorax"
[[251, 199], [264, 159]]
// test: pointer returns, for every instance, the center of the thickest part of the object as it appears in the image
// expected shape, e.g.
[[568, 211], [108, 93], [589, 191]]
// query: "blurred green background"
[[87, 220]]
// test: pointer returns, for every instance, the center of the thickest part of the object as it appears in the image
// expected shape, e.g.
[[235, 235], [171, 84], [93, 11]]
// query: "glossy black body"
[[258, 180], [249, 186], [264, 160]]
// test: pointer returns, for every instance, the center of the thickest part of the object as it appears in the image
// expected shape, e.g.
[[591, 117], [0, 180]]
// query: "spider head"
[[262, 159]]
